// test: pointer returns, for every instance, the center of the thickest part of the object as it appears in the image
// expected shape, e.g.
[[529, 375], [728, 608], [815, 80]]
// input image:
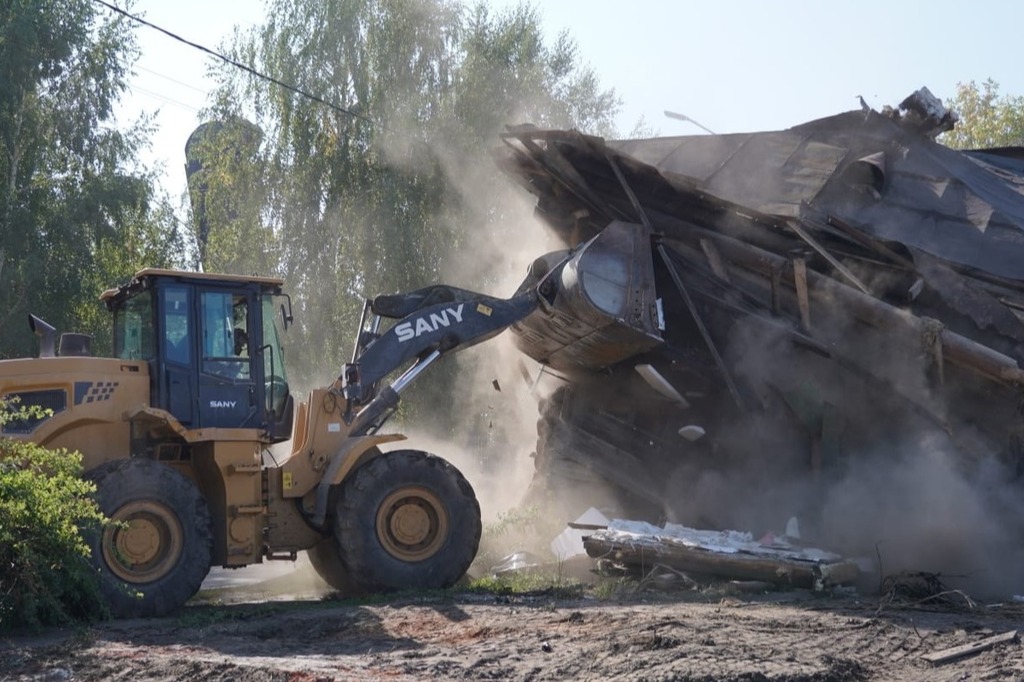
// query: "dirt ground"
[[288, 630]]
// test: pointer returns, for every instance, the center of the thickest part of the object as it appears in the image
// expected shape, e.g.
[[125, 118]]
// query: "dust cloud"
[[496, 388], [914, 509], [905, 484]]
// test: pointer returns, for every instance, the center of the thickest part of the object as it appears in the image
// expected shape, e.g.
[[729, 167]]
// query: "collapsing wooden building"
[[778, 304]]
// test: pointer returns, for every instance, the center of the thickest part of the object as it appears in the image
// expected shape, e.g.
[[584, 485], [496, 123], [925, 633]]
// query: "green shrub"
[[45, 575]]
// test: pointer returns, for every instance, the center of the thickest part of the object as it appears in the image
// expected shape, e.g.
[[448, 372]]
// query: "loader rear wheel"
[[407, 519], [328, 565], [156, 553]]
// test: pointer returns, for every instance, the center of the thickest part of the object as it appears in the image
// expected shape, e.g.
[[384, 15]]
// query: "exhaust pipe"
[[46, 333]]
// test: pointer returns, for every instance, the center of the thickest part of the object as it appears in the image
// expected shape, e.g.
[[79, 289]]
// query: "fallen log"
[[725, 554]]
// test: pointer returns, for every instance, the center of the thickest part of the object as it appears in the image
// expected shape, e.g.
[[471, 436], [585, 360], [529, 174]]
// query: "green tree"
[[987, 119], [376, 199], [72, 208]]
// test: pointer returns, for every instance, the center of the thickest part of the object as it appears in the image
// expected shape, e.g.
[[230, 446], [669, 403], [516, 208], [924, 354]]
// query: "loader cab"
[[213, 345]]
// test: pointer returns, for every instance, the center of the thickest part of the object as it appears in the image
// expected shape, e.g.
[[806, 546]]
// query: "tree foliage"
[[379, 198], [74, 215], [45, 575], [987, 119]]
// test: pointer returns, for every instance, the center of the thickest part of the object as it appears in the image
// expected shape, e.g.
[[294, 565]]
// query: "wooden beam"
[[814, 244], [968, 649], [702, 328], [802, 297], [958, 350]]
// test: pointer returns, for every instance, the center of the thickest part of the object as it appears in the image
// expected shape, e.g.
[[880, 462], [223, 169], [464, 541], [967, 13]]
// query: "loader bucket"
[[600, 308]]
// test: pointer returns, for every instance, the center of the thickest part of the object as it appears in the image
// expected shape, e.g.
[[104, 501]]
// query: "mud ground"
[[289, 629]]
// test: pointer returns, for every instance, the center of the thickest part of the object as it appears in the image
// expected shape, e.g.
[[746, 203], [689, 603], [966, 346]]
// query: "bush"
[[45, 575]]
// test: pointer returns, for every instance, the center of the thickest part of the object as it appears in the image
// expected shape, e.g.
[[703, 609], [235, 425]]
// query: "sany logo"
[[410, 330], [223, 403]]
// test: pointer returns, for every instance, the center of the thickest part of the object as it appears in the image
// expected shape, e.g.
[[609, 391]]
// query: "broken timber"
[[727, 554], [968, 649]]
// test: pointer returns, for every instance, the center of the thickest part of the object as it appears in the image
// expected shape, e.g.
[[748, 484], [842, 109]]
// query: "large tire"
[[156, 563], [407, 520], [328, 565]]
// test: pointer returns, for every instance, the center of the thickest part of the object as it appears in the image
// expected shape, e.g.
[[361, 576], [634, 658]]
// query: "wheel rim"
[[412, 524], [144, 543]]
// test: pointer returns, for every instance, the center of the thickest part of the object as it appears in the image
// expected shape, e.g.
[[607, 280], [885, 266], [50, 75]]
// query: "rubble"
[[730, 555], [516, 562], [569, 543], [807, 298]]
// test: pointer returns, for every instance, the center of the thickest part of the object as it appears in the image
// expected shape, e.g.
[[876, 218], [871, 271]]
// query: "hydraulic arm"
[[430, 322]]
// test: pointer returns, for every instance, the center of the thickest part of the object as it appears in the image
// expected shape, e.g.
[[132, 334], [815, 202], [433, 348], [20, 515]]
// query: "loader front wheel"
[[155, 553], [328, 565], [407, 519]]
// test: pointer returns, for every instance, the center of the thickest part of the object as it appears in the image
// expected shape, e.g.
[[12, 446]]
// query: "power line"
[[232, 62], [173, 80], [169, 100]]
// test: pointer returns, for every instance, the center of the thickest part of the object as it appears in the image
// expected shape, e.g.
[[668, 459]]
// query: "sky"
[[730, 65]]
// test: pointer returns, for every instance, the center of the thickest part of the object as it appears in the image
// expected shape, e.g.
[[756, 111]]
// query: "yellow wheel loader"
[[175, 428]]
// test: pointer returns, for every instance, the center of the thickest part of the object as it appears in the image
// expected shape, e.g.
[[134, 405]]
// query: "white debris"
[[929, 104], [692, 432], [723, 542], [569, 542], [515, 562], [660, 384]]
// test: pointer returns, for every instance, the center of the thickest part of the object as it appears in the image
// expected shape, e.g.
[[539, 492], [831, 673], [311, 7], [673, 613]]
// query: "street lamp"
[[684, 117]]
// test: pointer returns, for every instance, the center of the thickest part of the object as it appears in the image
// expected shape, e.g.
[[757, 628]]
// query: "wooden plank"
[[875, 245], [843, 270], [587, 526], [968, 649], [594, 458], [802, 297]]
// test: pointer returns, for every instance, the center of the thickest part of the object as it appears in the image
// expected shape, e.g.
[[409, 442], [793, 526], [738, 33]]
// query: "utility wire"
[[163, 98], [173, 80], [232, 62]]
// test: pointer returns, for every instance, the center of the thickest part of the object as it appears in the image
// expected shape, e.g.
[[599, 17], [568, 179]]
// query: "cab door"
[[227, 387], [177, 379]]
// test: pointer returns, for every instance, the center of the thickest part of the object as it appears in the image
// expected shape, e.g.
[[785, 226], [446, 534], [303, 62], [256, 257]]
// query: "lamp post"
[[684, 117]]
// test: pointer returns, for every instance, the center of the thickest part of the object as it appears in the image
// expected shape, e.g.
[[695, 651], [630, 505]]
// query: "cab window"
[[176, 331], [225, 330], [133, 328], [273, 358]]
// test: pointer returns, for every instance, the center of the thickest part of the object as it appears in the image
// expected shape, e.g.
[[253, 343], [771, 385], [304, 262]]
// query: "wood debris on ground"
[[725, 554], [956, 652]]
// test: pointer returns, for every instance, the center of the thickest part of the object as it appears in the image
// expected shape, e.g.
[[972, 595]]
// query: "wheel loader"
[[175, 430]]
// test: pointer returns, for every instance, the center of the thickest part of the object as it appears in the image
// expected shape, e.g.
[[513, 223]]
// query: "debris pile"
[[723, 554], [745, 316]]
